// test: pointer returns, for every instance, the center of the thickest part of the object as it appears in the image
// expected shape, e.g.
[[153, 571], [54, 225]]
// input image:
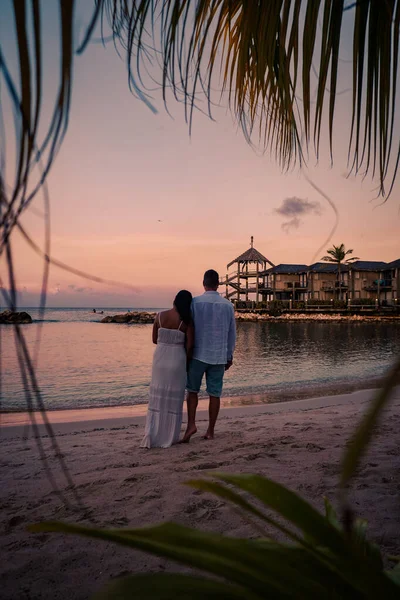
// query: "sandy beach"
[[297, 443]]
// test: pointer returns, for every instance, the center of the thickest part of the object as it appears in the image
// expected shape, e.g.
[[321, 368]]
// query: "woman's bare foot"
[[208, 435], [188, 435]]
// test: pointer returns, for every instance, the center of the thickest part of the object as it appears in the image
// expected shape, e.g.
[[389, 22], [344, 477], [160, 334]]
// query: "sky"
[[137, 200]]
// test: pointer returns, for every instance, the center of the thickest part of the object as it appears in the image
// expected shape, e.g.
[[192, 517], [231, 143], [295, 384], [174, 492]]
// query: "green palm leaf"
[[251, 51], [289, 505], [243, 562]]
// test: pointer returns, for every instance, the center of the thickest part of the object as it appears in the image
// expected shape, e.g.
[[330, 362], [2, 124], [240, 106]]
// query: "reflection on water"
[[86, 364]]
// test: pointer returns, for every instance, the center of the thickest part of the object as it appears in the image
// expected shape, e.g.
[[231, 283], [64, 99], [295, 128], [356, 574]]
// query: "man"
[[215, 337]]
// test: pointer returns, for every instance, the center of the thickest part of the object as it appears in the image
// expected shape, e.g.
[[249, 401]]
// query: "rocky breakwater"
[[9, 317], [131, 317], [320, 317]]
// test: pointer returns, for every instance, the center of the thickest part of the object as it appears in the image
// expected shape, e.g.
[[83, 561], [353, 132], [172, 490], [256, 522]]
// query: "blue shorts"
[[214, 377]]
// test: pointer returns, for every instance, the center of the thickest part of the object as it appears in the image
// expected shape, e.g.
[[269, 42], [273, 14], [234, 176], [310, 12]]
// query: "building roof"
[[395, 264], [287, 269], [251, 255], [368, 265], [325, 267]]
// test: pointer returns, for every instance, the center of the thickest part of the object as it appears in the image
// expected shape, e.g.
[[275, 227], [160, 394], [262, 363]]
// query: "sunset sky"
[[135, 199]]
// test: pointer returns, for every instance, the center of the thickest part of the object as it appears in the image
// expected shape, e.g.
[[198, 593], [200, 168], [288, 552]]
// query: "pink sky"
[[135, 199]]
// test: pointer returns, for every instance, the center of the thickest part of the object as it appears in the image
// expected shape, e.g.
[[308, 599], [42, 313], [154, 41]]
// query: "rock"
[[8, 317], [107, 319], [134, 317], [120, 319], [312, 316]]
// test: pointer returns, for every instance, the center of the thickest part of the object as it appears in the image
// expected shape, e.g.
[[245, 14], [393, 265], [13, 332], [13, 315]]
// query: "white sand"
[[298, 443]]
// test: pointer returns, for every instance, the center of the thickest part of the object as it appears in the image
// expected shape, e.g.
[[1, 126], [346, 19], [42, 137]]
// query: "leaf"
[[260, 568], [320, 534], [330, 514], [290, 506], [394, 575], [168, 586], [250, 52], [228, 494], [360, 439]]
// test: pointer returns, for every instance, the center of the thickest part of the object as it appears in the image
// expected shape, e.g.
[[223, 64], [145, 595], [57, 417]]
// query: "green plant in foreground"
[[320, 559]]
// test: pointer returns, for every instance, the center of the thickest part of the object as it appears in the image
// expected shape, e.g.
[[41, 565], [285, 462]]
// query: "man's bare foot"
[[188, 435], [208, 436]]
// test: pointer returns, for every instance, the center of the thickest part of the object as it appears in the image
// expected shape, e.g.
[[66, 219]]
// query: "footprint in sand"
[[288, 439], [253, 456], [314, 447], [208, 465], [150, 495], [204, 509], [119, 521], [124, 499], [90, 484]]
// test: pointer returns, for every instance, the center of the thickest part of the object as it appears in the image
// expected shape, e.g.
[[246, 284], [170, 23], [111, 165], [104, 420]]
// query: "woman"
[[173, 333]]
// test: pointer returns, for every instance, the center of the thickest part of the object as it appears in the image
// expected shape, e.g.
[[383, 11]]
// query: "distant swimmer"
[[94, 310]]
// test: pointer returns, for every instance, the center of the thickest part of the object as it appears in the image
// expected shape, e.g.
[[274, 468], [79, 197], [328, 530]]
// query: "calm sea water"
[[82, 363]]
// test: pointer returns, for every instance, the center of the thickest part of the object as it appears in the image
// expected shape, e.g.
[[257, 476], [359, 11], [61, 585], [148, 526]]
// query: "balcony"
[[382, 284], [297, 285], [330, 286]]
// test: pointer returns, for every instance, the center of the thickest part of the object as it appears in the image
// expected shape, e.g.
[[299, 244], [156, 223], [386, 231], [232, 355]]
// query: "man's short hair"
[[211, 279]]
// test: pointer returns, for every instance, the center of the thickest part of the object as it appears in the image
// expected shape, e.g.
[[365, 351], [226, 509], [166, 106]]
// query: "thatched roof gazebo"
[[246, 277]]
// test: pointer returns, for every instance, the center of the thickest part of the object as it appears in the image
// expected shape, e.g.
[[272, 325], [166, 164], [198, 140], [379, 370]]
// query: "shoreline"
[[18, 425], [10, 417]]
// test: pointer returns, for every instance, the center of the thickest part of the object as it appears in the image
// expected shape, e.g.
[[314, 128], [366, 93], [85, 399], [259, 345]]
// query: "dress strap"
[[179, 328]]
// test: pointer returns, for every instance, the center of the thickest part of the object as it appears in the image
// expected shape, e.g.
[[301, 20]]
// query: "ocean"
[[82, 363]]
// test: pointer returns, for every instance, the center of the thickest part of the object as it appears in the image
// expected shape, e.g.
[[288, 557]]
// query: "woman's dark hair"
[[182, 303]]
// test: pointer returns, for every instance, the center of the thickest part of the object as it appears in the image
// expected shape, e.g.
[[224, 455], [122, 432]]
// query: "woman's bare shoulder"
[[167, 317]]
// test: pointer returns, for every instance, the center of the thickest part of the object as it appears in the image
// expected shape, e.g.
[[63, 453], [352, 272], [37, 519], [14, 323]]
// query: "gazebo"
[[247, 276]]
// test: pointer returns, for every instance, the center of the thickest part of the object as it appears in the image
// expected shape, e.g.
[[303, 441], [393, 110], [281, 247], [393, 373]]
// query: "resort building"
[[323, 281], [394, 267], [253, 277], [370, 280], [285, 282]]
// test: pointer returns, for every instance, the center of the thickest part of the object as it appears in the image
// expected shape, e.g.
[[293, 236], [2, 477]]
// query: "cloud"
[[294, 208], [292, 224]]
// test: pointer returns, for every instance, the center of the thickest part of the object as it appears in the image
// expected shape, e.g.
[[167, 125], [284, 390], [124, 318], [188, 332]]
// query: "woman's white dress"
[[167, 390]]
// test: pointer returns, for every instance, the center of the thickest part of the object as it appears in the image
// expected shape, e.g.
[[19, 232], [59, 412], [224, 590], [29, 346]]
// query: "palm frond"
[[329, 259], [251, 51], [352, 259]]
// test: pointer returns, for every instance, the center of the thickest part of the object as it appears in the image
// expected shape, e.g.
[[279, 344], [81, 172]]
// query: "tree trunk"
[[340, 283]]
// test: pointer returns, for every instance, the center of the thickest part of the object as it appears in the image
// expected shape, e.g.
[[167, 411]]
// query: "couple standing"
[[195, 338]]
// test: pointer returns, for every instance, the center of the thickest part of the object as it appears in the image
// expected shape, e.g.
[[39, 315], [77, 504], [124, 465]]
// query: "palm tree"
[[337, 255]]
